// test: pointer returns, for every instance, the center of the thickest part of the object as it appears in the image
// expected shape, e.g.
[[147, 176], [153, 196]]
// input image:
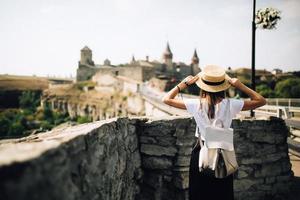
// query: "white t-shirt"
[[221, 111]]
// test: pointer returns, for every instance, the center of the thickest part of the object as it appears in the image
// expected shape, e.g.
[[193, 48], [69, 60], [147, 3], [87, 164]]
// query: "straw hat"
[[213, 79]]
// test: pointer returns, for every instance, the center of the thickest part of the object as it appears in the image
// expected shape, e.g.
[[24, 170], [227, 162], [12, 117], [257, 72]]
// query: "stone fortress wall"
[[139, 70], [138, 158]]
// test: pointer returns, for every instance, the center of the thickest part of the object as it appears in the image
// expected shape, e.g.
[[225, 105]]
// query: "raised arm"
[[256, 99], [169, 97]]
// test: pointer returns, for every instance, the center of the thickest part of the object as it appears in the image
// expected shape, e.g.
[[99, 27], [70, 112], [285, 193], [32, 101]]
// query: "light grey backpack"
[[217, 153]]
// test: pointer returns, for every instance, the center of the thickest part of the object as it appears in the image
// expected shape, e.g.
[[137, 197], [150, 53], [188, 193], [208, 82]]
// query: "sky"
[[40, 37]]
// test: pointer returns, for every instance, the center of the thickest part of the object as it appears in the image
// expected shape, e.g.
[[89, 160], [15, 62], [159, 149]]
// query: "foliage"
[[265, 91], [80, 85], [288, 88], [47, 113], [267, 18], [45, 125], [12, 123], [60, 118], [4, 124], [83, 119], [29, 100], [296, 73], [20, 122], [16, 129]]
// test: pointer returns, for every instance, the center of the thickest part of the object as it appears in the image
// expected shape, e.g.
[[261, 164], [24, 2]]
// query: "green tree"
[[16, 129], [29, 100], [265, 91], [288, 88], [4, 125], [47, 112]]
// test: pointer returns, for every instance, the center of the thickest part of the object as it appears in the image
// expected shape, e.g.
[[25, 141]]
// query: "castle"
[[139, 70]]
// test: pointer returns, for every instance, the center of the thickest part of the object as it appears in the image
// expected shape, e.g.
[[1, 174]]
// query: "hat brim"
[[212, 88]]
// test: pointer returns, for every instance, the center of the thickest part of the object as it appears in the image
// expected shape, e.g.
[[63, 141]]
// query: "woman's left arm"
[[169, 97]]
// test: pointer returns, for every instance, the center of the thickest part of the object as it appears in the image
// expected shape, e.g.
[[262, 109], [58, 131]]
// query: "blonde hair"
[[211, 98]]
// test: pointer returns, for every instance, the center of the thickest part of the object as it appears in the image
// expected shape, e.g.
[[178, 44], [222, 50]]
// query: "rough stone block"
[[242, 174], [184, 141], [273, 169], [181, 180], [185, 150], [157, 150], [272, 157], [246, 161], [181, 169], [243, 184], [158, 128], [284, 178], [182, 161], [156, 162], [165, 141], [286, 165], [153, 180], [147, 140], [131, 143], [270, 179], [261, 137]]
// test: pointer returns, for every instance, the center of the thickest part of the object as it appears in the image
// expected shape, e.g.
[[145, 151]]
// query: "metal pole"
[[253, 51]]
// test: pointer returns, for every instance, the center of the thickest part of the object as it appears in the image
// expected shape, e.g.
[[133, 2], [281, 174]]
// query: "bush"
[[16, 129], [80, 85], [4, 125], [45, 125], [288, 88], [30, 100], [20, 122], [84, 119], [47, 113], [265, 91], [59, 118]]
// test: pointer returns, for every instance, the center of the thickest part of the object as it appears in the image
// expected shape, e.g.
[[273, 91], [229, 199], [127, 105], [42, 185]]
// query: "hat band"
[[212, 83]]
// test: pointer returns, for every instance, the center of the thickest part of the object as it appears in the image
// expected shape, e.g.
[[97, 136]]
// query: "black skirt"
[[203, 185]]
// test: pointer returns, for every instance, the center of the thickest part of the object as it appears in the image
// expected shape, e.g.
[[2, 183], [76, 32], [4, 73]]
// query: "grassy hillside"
[[12, 82]]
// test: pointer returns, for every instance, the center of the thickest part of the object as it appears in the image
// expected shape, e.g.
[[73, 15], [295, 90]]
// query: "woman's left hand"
[[190, 79]]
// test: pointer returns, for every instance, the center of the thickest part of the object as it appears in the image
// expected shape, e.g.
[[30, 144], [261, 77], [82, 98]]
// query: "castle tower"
[[133, 61], [195, 64], [107, 62], [86, 56], [168, 56]]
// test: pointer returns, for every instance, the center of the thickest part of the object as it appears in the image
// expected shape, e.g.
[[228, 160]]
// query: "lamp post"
[[253, 52], [266, 19]]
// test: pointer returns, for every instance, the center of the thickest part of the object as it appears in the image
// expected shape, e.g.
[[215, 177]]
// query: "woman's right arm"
[[256, 99]]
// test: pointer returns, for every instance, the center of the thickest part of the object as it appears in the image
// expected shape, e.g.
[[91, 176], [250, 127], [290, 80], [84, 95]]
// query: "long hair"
[[211, 98]]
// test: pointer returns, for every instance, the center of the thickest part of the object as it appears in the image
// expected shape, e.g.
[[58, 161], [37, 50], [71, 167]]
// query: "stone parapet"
[[138, 158]]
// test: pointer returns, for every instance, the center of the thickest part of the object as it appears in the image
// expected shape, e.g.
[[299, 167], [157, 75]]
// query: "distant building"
[[107, 62], [139, 70], [86, 57], [276, 71]]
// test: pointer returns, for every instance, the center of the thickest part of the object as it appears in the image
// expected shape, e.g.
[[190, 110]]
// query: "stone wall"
[[165, 146], [85, 104], [93, 161], [138, 73], [138, 158], [261, 148], [262, 152], [93, 110]]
